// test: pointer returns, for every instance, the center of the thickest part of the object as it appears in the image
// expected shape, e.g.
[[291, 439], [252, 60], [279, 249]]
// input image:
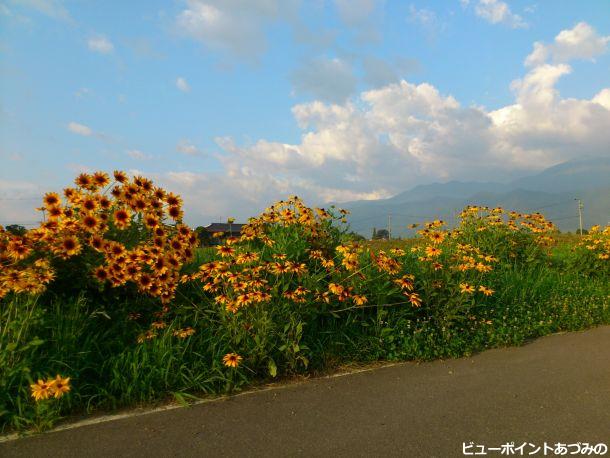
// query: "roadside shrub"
[[591, 255], [103, 233]]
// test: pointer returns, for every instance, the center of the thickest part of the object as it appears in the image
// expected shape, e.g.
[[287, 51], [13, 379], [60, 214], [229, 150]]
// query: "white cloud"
[[236, 27], [51, 8], [498, 12], [603, 98], [393, 137], [18, 200], [355, 12], [100, 44], [138, 155], [379, 72], [80, 129], [182, 84], [8, 13], [580, 42], [329, 79], [403, 134], [424, 17], [186, 147]]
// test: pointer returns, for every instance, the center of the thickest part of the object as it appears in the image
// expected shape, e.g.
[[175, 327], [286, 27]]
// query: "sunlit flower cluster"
[[597, 241], [130, 229], [287, 254], [592, 253], [457, 259], [54, 387], [485, 218]]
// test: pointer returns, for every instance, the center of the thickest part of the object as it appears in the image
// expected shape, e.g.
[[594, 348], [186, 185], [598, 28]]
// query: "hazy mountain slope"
[[552, 192], [569, 177]]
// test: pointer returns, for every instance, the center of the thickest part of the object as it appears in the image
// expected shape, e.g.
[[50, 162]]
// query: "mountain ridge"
[[552, 192]]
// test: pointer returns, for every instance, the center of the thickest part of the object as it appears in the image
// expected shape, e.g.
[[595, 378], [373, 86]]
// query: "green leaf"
[[272, 368]]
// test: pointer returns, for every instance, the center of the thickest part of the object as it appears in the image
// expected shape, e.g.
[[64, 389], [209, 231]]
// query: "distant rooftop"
[[235, 228]]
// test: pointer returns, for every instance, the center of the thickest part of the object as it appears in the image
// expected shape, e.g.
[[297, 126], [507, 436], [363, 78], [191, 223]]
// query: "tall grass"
[[109, 369]]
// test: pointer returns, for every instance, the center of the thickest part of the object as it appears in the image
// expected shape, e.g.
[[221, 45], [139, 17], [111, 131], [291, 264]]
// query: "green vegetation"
[[295, 294]]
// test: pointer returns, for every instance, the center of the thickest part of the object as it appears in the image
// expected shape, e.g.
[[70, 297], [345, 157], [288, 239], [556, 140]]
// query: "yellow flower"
[[60, 386], [224, 250], [486, 291], [335, 288], [184, 333], [414, 299], [42, 390], [359, 300], [70, 246], [436, 237], [231, 359], [466, 288], [406, 282], [51, 199], [122, 218], [433, 251]]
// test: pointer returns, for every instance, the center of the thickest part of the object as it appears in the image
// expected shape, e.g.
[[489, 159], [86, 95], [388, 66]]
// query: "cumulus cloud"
[[138, 155], [100, 44], [379, 72], [498, 12], [18, 200], [355, 12], [188, 148], [402, 134], [80, 129], [52, 8], [388, 139], [328, 79], [235, 26], [362, 16], [425, 18], [580, 42], [182, 84]]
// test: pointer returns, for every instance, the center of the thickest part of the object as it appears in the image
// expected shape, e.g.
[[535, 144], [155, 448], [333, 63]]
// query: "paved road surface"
[[556, 389]]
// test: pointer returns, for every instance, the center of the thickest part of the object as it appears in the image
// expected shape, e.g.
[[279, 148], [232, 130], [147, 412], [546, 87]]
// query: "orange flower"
[[42, 390], [466, 288], [433, 251], [122, 218], [90, 222], [70, 246], [119, 176], [101, 179], [83, 181], [414, 299], [486, 291], [60, 386], [231, 359], [51, 199]]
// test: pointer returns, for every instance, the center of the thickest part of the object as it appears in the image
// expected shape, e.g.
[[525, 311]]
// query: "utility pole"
[[580, 207], [389, 226]]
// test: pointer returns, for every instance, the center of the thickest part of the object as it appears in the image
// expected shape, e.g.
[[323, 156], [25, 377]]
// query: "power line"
[[547, 206], [565, 217]]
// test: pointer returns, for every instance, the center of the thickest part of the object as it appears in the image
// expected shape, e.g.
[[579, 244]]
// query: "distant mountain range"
[[551, 192]]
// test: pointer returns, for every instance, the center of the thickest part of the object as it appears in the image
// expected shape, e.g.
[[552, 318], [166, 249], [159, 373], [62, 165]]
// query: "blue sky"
[[238, 103]]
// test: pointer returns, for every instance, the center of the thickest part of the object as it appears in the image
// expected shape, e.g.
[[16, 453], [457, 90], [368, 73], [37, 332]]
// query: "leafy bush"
[[592, 254]]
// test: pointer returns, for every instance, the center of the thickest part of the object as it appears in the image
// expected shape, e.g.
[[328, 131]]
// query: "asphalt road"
[[556, 389]]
